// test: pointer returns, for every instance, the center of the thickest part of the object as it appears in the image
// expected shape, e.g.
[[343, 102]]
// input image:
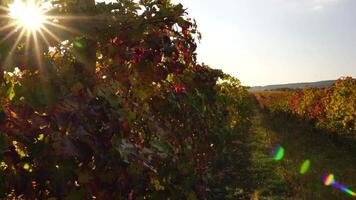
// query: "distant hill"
[[319, 84]]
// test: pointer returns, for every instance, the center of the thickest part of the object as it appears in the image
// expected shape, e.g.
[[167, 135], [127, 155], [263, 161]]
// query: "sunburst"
[[28, 15], [25, 17], [29, 21]]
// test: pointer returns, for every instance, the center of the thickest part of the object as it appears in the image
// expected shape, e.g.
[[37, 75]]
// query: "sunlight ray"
[[11, 33], [55, 37], [4, 16], [79, 17], [72, 30], [27, 45], [18, 40], [44, 37], [3, 8], [37, 52], [8, 26], [73, 17], [8, 35]]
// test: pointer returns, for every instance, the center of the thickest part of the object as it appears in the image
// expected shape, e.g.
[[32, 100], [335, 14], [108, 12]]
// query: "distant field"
[[319, 84]]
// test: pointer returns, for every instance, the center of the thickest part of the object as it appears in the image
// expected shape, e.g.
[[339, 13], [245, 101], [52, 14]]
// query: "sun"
[[28, 15], [31, 25]]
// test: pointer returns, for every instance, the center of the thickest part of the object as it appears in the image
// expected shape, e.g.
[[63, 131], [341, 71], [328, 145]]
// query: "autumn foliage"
[[332, 108], [118, 110]]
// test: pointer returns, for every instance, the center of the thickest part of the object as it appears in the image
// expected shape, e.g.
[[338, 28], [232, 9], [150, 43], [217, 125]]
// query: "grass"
[[265, 171], [282, 179], [326, 154]]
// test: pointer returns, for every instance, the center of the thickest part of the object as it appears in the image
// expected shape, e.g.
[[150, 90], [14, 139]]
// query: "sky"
[[265, 42]]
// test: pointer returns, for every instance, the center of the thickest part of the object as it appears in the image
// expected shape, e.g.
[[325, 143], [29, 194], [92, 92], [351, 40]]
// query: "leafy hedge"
[[340, 106], [274, 101], [120, 110], [332, 108]]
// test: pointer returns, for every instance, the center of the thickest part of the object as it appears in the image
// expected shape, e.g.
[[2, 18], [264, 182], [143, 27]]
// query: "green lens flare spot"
[[305, 167], [78, 44], [279, 153]]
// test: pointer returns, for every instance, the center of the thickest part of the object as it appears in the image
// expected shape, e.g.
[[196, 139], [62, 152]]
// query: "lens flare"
[[28, 15], [329, 180], [278, 153], [345, 189], [305, 167], [29, 23]]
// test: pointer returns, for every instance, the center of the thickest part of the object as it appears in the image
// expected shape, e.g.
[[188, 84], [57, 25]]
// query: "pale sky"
[[277, 41]]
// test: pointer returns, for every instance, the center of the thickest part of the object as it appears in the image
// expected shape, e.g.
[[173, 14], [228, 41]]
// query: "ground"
[[282, 179]]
